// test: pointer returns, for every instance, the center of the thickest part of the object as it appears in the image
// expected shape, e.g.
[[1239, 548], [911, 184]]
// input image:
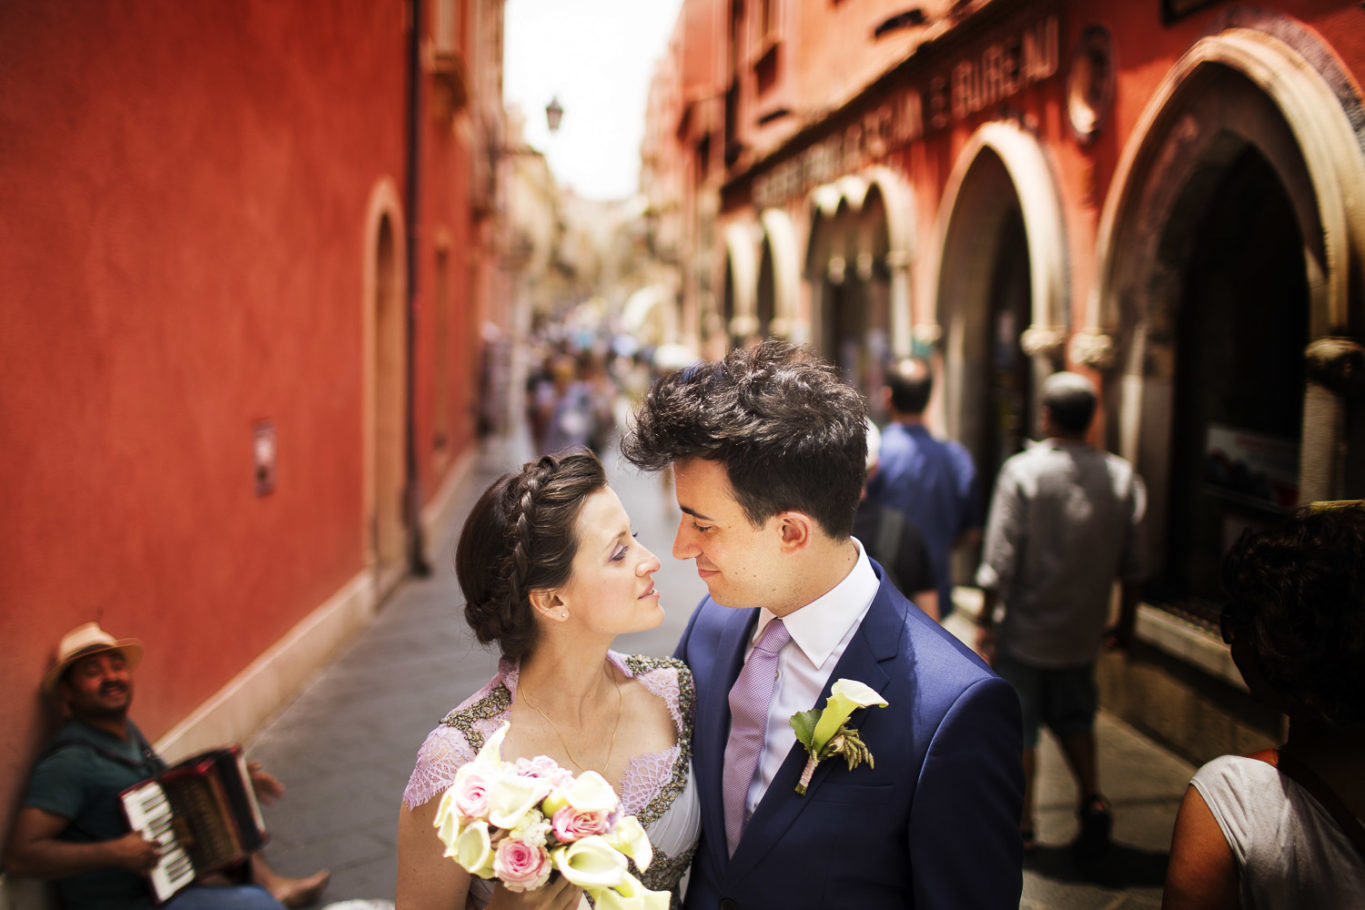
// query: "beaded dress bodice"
[[657, 787]]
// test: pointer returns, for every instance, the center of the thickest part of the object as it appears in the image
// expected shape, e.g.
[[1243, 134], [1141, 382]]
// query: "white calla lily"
[[473, 849], [591, 863], [630, 838], [590, 792], [845, 697], [491, 753], [511, 797], [447, 819], [631, 894]]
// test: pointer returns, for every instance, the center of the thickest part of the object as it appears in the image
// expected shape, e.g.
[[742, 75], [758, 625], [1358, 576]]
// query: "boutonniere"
[[825, 733]]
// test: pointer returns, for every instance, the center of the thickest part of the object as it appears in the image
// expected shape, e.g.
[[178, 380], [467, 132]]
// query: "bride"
[[551, 572]]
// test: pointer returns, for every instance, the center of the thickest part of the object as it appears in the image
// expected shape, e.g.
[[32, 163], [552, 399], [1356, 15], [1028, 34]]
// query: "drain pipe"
[[412, 488]]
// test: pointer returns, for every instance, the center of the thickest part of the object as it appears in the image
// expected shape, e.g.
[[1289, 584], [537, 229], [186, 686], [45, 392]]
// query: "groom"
[[768, 449]]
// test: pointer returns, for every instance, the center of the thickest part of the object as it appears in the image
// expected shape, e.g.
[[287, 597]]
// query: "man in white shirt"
[[1066, 522], [768, 449]]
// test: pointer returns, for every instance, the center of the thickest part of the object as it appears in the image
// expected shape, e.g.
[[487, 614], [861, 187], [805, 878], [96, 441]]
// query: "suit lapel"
[[713, 721], [877, 641]]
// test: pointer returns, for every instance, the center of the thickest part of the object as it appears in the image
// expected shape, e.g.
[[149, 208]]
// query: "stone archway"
[[779, 274], [887, 239], [741, 282], [1001, 291], [1243, 115]]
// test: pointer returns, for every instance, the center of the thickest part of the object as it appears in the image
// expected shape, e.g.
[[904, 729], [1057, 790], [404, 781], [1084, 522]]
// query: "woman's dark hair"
[[1297, 594], [786, 427], [518, 538]]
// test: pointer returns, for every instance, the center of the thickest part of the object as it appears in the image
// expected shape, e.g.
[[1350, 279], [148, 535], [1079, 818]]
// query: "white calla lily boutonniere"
[[826, 732]]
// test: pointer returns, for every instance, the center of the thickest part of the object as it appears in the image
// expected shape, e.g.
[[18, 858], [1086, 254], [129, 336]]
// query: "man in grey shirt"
[[1065, 522]]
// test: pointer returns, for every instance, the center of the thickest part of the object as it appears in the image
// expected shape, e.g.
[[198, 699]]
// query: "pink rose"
[[544, 768], [521, 866], [571, 824], [471, 791]]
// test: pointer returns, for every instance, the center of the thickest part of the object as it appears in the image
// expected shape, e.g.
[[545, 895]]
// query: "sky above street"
[[596, 56]]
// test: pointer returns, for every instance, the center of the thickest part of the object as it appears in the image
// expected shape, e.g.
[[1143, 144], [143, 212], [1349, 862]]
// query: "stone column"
[[1335, 369]]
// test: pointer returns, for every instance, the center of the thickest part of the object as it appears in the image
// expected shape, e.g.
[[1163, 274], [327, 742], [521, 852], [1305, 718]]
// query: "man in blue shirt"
[[931, 481]]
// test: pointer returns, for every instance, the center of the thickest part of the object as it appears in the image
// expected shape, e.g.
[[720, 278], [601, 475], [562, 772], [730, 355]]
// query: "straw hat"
[[83, 641]]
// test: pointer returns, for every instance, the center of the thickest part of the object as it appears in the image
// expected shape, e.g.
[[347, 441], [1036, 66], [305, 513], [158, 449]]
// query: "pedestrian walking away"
[[931, 481], [1065, 523], [893, 541]]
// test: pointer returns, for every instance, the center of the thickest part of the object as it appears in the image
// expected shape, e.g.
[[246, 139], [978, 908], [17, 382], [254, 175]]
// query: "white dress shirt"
[[820, 632]]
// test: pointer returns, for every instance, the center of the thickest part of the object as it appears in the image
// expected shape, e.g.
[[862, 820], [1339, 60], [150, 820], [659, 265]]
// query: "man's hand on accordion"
[[134, 852], [267, 786]]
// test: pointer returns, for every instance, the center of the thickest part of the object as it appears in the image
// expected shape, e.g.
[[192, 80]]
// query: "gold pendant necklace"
[[567, 751]]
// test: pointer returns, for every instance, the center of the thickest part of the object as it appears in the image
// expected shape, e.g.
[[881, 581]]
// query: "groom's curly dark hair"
[[789, 431]]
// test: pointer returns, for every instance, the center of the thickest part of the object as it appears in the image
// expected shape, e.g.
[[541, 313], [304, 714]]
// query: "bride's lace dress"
[[657, 787]]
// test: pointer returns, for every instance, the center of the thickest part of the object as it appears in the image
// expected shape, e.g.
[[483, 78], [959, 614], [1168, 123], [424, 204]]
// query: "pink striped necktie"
[[750, 697]]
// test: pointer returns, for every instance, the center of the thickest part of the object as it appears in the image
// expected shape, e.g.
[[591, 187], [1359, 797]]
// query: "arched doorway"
[[875, 275], [843, 319], [985, 302], [1225, 253], [1001, 293], [1001, 299], [386, 530], [824, 265]]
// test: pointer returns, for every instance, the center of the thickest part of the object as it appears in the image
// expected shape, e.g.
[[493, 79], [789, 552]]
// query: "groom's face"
[[741, 563]]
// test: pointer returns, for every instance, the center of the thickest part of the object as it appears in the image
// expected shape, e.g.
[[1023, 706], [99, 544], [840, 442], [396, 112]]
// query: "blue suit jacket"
[[934, 824]]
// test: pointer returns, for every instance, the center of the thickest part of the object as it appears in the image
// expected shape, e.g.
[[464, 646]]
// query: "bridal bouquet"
[[521, 822]]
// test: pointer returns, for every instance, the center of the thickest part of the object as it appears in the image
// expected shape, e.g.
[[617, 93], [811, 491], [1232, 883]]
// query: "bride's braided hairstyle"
[[519, 538]]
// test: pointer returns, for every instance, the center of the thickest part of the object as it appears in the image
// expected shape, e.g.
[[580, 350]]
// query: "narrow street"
[[345, 746]]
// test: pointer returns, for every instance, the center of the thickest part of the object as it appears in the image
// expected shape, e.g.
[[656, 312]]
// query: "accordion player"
[[204, 813]]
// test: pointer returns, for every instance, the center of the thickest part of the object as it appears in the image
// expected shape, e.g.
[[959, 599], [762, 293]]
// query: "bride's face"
[[611, 590]]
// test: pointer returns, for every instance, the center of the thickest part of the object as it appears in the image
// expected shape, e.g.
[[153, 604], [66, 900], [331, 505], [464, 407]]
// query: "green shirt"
[[79, 778]]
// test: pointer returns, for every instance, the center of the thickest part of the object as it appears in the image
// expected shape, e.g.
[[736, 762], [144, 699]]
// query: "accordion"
[[204, 814]]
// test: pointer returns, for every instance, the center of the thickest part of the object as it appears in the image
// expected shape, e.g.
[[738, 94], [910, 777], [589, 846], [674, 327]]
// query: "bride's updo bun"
[[518, 538]]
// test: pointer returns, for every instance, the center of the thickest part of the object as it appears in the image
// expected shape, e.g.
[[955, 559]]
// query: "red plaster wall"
[[184, 188]]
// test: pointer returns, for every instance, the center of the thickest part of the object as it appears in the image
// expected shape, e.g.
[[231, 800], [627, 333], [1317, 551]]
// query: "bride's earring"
[[564, 615]]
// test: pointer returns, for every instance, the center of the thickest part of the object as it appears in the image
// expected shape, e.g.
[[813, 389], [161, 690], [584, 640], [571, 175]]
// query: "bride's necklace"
[[521, 690]]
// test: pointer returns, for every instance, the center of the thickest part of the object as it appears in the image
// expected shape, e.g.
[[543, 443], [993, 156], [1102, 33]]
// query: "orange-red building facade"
[[1164, 194], [234, 411]]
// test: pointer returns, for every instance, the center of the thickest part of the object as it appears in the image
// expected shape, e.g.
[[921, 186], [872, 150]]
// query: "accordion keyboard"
[[149, 812]]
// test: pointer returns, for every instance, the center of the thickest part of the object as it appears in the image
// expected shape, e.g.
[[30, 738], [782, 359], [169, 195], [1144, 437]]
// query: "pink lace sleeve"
[[663, 684], [456, 740], [649, 774], [441, 755]]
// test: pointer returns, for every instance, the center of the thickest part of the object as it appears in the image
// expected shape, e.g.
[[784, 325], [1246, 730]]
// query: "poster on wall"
[[1254, 468]]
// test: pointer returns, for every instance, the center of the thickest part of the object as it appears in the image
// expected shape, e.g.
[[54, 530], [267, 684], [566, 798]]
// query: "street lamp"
[[554, 112]]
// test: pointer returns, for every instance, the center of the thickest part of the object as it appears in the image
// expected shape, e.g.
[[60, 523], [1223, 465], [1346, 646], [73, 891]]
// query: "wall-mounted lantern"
[[554, 112]]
